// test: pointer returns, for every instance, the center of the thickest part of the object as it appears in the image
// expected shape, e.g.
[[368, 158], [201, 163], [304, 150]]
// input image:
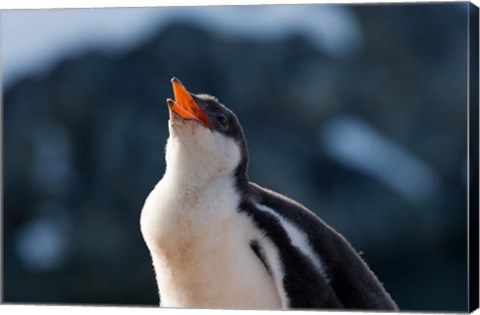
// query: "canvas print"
[[268, 157]]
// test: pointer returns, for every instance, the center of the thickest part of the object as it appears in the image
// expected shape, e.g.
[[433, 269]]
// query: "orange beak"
[[184, 105]]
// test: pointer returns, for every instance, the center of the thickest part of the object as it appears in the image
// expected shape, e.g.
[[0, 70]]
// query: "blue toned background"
[[357, 111]]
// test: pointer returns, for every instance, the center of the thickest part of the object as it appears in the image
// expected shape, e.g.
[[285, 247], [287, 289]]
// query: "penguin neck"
[[189, 165], [187, 171], [190, 176]]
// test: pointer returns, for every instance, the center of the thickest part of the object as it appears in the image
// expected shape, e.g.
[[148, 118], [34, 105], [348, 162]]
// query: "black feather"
[[352, 284]]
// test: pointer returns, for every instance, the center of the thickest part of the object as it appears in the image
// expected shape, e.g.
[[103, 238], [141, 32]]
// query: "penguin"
[[218, 240]]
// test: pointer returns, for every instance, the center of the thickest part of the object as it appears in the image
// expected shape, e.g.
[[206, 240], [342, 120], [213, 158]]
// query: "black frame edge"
[[473, 101]]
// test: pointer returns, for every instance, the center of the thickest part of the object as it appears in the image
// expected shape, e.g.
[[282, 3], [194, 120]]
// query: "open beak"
[[184, 105]]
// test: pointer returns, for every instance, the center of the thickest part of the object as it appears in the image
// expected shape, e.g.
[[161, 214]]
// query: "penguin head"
[[206, 138]]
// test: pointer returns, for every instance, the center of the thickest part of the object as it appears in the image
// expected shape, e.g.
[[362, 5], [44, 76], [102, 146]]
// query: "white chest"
[[200, 247]]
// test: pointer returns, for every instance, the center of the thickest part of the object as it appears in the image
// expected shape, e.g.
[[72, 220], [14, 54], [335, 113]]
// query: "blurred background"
[[357, 111]]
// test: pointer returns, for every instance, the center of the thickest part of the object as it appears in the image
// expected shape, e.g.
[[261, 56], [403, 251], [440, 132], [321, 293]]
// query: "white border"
[[83, 310], [48, 4]]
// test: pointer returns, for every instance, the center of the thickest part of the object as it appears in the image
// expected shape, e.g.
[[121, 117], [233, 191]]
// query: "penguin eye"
[[222, 121]]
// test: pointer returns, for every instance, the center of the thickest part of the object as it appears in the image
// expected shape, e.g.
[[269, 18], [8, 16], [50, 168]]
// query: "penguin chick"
[[219, 241]]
